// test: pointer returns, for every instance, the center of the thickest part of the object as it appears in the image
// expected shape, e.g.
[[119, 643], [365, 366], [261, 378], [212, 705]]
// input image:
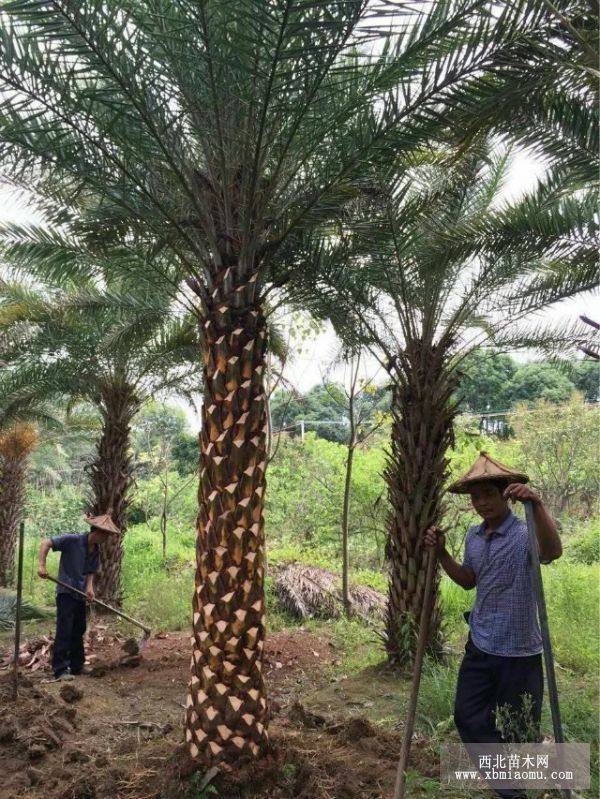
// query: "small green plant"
[[198, 789], [289, 771], [518, 725]]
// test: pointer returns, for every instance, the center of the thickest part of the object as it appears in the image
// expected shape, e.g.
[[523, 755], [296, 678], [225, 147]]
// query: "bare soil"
[[122, 738]]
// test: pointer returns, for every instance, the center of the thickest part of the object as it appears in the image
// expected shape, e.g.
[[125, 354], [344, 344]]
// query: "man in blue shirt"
[[503, 655], [78, 564]]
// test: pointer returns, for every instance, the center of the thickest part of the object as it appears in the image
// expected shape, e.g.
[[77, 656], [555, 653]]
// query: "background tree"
[[158, 429], [556, 452], [17, 442], [111, 351], [485, 375], [534, 381], [585, 374]]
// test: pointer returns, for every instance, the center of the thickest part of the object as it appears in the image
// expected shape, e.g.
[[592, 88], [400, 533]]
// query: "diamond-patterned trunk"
[[12, 498], [111, 477], [422, 431], [226, 706]]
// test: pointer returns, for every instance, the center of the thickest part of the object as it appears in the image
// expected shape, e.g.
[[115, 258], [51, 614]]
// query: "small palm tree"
[[112, 351], [443, 267], [17, 442]]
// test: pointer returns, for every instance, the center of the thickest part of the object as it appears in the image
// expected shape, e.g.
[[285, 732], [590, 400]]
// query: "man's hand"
[[42, 572], [434, 537], [89, 592], [521, 492]]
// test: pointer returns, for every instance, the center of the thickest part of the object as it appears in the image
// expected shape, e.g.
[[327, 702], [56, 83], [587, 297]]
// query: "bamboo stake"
[[18, 611], [417, 670], [538, 592]]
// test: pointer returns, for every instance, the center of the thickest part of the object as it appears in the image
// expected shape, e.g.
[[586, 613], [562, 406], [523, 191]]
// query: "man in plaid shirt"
[[503, 655]]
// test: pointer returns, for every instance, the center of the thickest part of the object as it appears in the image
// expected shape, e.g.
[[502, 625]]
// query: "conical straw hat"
[[486, 468], [103, 522]]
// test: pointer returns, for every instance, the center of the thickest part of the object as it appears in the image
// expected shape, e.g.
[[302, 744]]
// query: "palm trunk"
[[227, 706], [422, 431], [12, 500], [111, 477]]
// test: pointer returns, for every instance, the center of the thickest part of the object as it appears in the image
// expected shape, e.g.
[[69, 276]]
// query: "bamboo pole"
[[416, 680], [18, 611], [538, 592]]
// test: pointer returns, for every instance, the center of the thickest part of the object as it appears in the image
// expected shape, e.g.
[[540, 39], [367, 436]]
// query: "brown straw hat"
[[484, 469], [103, 522]]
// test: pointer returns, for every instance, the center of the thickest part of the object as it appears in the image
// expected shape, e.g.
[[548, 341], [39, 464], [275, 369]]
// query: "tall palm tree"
[[218, 130], [112, 351], [444, 267]]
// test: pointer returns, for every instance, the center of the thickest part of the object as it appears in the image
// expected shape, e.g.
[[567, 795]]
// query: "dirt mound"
[[309, 592], [298, 766], [356, 729], [35, 724], [71, 693]]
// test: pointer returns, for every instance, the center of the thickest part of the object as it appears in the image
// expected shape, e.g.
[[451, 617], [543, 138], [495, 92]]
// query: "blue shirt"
[[75, 561], [503, 620]]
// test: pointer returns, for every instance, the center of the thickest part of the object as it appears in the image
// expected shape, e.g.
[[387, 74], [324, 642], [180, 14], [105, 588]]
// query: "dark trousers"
[[68, 641], [489, 681]]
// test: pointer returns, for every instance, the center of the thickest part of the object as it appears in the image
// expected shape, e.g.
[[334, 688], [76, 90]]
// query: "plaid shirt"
[[503, 620]]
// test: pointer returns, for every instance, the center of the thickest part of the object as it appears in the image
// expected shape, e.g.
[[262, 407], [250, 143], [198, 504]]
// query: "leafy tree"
[[211, 135], [326, 403], [185, 454], [534, 381], [157, 430], [585, 375], [484, 380], [557, 452]]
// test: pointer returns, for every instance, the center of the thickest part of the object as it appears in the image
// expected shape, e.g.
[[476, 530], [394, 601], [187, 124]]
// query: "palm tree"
[[544, 93], [442, 268], [217, 131], [112, 351], [20, 418], [16, 444]]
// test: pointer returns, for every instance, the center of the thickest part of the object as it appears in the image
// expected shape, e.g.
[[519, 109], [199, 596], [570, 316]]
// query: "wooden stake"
[[18, 611], [416, 680]]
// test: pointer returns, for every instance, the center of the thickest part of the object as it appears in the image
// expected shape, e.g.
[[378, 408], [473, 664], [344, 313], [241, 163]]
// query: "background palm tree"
[[17, 442], [217, 131], [441, 268], [84, 343]]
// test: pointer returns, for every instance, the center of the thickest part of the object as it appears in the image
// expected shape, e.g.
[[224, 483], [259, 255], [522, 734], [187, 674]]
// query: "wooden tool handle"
[[102, 604]]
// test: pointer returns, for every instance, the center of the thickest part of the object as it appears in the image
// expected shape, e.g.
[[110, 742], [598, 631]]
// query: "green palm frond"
[[8, 609], [217, 132]]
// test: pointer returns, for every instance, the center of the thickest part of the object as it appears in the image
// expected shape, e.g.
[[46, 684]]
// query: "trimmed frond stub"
[[19, 440]]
